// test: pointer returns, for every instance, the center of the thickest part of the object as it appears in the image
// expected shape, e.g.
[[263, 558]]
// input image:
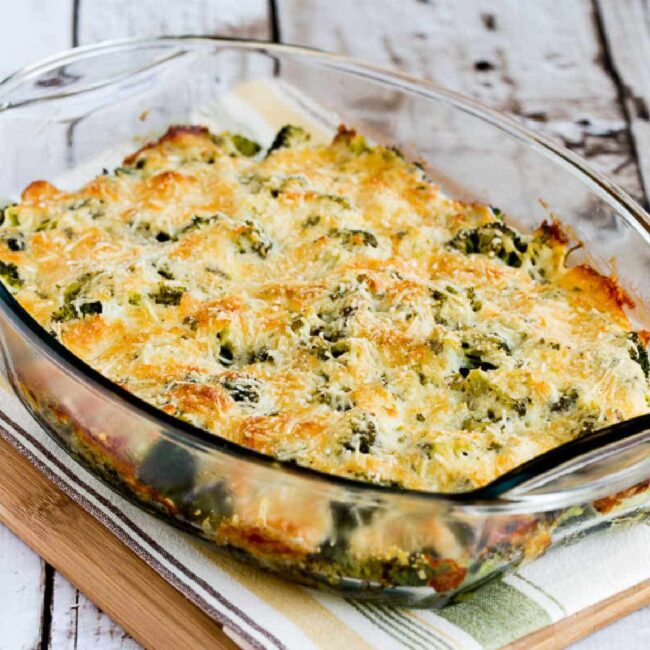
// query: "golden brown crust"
[[260, 540], [40, 191], [175, 134], [327, 305], [602, 292], [448, 574], [553, 231], [644, 335], [607, 504]]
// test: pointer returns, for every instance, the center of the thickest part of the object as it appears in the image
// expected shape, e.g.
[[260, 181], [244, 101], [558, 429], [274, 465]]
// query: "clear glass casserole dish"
[[86, 109]]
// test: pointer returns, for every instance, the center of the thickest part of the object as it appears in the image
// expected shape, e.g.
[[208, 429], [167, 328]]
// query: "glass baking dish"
[[67, 117]]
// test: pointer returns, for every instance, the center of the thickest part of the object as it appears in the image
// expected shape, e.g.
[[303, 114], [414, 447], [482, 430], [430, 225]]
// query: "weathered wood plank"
[[123, 18], [21, 593], [33, 29], [78, 624], [38, 28], [626, 26], [542, 61], [76, 621], [65, 603]]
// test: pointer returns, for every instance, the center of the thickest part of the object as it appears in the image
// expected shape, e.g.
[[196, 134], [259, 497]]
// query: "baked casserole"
[[327, 305]]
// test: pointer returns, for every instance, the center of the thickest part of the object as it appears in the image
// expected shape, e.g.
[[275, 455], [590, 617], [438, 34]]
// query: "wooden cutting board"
[[97, 563], [148, 607]]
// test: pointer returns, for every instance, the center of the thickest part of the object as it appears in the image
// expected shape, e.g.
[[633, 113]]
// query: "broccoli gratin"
[[328, 305]]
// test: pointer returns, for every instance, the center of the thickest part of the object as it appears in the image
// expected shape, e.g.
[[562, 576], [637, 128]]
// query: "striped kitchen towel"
[[261, 611]]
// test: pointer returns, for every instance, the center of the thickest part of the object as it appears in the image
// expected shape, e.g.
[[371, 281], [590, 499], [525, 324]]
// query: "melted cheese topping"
[[326, 304]]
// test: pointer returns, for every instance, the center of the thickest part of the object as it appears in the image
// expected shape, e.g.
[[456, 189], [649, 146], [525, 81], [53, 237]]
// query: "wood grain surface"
[[543, 61], [83, 550], [586, 622], [575, 70], [22, 582], [626, 26]]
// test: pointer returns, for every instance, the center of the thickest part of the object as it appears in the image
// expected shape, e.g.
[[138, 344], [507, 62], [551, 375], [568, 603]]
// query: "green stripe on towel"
[[386, 625], [497, 614]]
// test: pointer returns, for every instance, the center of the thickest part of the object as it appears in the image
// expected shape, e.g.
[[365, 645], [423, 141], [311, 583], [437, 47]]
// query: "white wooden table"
[[577, 70]]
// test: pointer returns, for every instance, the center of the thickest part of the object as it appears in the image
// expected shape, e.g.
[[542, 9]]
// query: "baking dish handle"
[[599, 464], [78, 71]]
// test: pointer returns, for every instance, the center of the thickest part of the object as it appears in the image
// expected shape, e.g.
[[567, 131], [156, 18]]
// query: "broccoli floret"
[[168, 468], [245, 146], [68, 311], [311, 221], [164, 272], [8, 214], [494, 239], [474, 362], [198, 221], [330, 332], [339, 348], [65, 313], [336, 400], [486, 402], [357, 143], [16, 243], [474, 302], [352, 237], [124, 171], [253, 238], [364, 434], [346, 518], [565, 402], [482, 351], [9, 274], [338, 200], [497, 212], [243, 389], [45, 224], [289, 136], [226, 354], [166, 295], [639, 353], [263, 355], [90, 308], [74, 289], [208, 506]]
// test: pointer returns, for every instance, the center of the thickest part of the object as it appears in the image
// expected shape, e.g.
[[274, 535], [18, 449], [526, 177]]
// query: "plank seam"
[[276, 36], [48, 599], [607, 62], [75, 23]]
